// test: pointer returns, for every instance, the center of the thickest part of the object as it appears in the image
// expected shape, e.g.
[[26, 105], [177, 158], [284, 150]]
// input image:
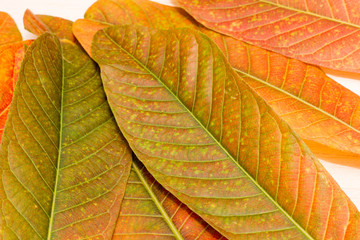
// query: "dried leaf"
[[214, 143]]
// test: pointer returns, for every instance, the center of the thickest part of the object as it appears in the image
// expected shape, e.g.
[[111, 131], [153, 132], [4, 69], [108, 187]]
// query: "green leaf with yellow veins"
[[214, 143], [63, 161]]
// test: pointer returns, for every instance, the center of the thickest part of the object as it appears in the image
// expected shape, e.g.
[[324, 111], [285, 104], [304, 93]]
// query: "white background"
[[347, 177]]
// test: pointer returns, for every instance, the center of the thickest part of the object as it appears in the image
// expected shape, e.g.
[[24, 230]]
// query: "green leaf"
[[214, 143], [148, 210], [63, 161]]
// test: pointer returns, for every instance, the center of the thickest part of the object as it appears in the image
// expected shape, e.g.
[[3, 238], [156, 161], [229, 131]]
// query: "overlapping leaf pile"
[[139, 123]]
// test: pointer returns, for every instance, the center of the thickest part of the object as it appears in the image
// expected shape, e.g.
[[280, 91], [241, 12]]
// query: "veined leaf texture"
[[300, 93], [138, 176], [215, 144], [63, 161], [147, 210], [320, 32]]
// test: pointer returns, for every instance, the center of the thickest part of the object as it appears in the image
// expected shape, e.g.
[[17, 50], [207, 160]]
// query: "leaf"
[[11, 56], [302, 95], [322, 33], [214, 143], [120, 12], [39, 24], [9, 32], [149, 211], [184, 223], [85, 34], [63, 161]]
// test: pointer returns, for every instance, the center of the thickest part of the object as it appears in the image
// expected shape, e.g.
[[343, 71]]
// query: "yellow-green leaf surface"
[[63, 161], [324, 33], [300, 93], [148, 210], [215, 144], [9, 32]]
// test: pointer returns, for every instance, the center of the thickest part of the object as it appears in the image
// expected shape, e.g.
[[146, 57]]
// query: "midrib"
[[52, 213], [311, 13], [156, 201], [214, 139], [296, 98]]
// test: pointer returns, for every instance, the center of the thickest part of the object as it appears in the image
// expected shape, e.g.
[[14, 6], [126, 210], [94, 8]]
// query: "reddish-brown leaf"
[[324, 33]]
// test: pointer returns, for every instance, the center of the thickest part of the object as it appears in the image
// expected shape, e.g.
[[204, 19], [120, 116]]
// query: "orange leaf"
[[324, 33], [85, 30], [8, 30], [11, 56], [39, 24], [302, 95]]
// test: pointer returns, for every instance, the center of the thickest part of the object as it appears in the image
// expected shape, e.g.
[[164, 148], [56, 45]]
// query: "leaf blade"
[[11, 55], [39, 24], [90, 139], [266, 72], [8, 30], [191, 225], [129, 112]]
